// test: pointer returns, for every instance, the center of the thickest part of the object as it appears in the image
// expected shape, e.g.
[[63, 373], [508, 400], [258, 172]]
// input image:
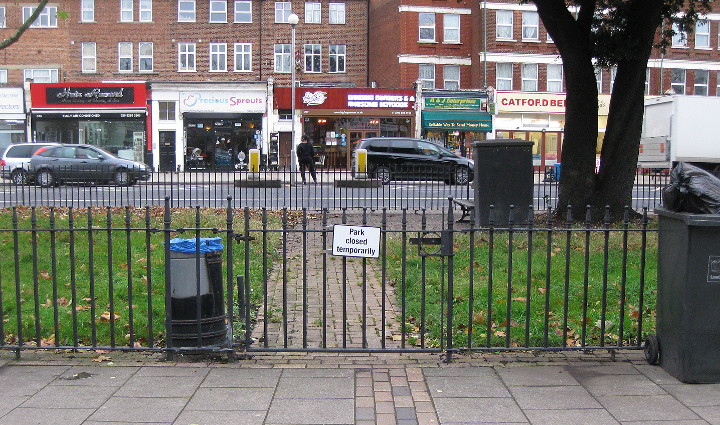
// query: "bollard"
[[254, 160]]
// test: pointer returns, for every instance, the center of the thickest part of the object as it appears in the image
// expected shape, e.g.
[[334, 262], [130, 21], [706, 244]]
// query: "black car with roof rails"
[[405, 158]]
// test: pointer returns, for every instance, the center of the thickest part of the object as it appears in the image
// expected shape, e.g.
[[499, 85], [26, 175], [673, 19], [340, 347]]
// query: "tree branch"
[[15, 37]]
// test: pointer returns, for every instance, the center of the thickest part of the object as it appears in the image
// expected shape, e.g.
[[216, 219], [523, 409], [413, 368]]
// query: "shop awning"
[[457, 120]]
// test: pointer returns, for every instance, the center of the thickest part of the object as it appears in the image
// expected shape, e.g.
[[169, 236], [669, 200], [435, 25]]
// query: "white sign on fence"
[[356, 241]]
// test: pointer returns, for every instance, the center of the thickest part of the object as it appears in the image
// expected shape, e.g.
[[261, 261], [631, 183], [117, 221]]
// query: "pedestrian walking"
[[305, 155]]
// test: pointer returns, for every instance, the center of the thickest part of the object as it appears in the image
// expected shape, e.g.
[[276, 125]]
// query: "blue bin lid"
[[190, 245]]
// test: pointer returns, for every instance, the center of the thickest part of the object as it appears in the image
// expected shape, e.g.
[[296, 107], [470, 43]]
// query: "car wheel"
[[45, 178], [382, 173], [461, 176], [19, 176], [121, 177]]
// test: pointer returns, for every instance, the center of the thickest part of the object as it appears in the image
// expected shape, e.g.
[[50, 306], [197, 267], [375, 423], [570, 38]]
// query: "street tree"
[[619, 33], [25, 25]]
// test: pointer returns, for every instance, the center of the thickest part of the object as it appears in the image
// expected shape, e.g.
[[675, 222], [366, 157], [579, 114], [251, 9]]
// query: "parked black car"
[[404, 158], [83, 163]]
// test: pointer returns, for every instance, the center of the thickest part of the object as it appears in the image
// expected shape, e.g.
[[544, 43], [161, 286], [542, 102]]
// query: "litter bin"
[[688, 294], [186, 286], [556, 171]]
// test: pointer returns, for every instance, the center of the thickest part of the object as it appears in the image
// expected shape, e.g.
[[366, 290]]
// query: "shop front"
[[201, 126], [112, 116], [455, 119], [12, 117], [335, 119], [539, 118]]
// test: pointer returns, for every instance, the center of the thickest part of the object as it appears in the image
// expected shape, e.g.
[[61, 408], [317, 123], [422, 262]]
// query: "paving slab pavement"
[[386, 388]]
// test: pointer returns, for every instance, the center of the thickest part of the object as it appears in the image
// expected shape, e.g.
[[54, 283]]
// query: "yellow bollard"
[[361, 161], [254, 160]]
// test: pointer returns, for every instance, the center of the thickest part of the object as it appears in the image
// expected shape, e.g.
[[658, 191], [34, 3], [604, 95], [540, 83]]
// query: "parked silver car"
[[83, 163], [15, 161]]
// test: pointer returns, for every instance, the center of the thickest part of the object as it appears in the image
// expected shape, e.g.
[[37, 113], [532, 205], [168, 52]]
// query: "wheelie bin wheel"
[[652, 349]]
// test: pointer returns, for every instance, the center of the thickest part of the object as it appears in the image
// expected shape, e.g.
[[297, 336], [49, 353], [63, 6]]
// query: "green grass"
[[125, 262], [476, 325]]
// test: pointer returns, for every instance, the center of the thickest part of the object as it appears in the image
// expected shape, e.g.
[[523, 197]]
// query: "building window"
[[647, 81], [426, 23], [218, 57], [87, 10], [677, 80], [283, 10], [145, 10], [312, 13], [701, 82], [336, 53], [427, 76], [145, 56], [46, 19], [186, 57], [218, 11], [337, 13], [451, 77], [702, 34], [312, 57], [125, 57], [451, 28], [504, 76], [679, 38], [186, 10], [3, 76], [504, 24], [598, 79], [243, 57], [243, 12], [126, 10], [717, 85], [166, 111], [554, 78], [530, 26], [283, 58], [89, 57], [529, 76], [41, 75]]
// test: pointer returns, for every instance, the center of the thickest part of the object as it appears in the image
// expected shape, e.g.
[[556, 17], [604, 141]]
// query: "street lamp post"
[[293, 21]]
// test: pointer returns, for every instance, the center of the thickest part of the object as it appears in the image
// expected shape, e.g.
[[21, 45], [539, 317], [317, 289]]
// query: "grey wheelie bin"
[[191, 290]]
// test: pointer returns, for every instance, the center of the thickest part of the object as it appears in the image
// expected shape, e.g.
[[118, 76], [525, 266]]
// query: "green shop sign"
[[453, 103], [456, 120]]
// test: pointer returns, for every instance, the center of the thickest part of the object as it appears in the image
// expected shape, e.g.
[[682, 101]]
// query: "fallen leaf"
[[105, 317], [102, 359]]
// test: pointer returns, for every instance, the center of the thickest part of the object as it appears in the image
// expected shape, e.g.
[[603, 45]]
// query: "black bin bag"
[[692, 190]]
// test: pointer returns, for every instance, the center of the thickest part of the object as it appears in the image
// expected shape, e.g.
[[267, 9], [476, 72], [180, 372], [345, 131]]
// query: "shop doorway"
[[285, 149], [547, 145], [167, 151]]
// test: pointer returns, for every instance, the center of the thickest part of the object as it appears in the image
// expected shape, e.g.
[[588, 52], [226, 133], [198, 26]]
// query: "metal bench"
[[467, 207]]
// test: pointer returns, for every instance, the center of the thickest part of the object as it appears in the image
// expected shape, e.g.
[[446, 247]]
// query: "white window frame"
[[426, 29], [598, 79], [126, 11], [702, 34], [46, 19], [428, 82], [143, 57], [705, 87], [145, 11], [678, 87], [52, 76], [283, 10], [217, 11], [337, 58], [313, 13], [313, 58], [240, 12], [87, 11], [164, 110], [451, 77], [125, 56], [337, 13], [88, 53], [530, 26], [218, 57], [3, 76], [503, 78], [647, 81], [528, 80], [283, 58], [451, 28], [679, 39], [185, 12], [243, 57], [501, 26], [554, 84], [188, 51]]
